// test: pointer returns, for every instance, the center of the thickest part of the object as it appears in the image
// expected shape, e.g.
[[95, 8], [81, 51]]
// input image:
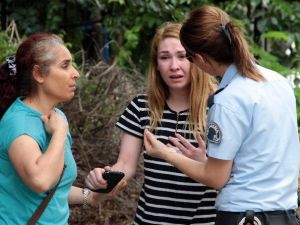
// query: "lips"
[[73, 87], [176, 76]]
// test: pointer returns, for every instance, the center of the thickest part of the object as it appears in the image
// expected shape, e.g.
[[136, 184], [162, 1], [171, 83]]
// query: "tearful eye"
[[164, 57], [182, 57]]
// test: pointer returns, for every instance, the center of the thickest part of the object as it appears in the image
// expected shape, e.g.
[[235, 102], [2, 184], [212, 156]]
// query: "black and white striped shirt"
[[168, 196]]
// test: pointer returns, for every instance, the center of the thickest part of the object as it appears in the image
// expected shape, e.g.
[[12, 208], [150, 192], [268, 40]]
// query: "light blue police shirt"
[[255, 125], [17, 201]]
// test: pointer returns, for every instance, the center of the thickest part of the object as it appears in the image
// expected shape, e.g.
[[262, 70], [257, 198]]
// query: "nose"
[[174, 64], [76, 74]]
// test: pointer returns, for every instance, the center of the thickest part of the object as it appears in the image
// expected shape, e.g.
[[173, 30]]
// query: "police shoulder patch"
[[214, 133]]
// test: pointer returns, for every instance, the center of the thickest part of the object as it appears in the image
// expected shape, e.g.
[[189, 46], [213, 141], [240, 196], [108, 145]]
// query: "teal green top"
[[17, 201]]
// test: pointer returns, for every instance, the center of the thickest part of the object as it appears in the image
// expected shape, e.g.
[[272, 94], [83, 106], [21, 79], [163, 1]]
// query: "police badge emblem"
[[214, 133]]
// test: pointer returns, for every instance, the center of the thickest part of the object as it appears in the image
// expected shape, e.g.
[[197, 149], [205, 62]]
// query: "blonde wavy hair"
[[202, 85]]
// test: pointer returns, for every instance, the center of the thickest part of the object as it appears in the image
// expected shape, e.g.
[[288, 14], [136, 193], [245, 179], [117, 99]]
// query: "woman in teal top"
[[35, 142]]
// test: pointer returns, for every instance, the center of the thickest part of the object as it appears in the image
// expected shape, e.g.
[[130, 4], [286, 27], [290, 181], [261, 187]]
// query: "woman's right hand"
[[95, 180], [54, 122]]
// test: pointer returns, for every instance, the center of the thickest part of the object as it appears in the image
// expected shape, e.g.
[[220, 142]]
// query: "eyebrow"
[[66, 61], [181, 51]]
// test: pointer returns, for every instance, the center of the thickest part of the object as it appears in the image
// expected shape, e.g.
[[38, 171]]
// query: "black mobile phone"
[[113, 178]]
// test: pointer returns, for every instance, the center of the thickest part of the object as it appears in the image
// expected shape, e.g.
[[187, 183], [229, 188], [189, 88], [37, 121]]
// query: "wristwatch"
[[85, 193]]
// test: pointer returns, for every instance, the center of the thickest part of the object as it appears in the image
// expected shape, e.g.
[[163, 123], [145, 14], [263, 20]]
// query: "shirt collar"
[[228, 76]]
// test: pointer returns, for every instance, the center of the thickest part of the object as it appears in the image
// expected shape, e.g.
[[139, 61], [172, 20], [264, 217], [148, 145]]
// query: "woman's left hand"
[[187, 149], [156, 148]]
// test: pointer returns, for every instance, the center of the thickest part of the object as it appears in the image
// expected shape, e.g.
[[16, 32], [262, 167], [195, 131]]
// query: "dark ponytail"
[[8, 87]]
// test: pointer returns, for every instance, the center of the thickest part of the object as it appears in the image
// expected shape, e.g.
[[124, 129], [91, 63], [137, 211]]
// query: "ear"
[[200, 58], [37, 74]]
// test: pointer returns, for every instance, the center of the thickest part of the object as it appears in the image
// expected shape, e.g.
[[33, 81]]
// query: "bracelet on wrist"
[[85, 192]]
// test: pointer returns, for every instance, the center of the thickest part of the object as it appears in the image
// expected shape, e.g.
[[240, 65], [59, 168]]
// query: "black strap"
[[39, 211], [210, 100]]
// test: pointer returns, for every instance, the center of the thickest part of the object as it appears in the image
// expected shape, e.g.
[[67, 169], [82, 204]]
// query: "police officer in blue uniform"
[[252, 141]]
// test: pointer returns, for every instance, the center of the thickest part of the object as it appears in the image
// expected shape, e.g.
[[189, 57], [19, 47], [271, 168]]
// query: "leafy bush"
[[7, 46], [102, 95]]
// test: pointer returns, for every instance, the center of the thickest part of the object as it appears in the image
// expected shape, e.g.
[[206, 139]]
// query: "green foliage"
[[54, 15], [132, 25], [270, 25], [268, 60], [7, 46], [277, 35]]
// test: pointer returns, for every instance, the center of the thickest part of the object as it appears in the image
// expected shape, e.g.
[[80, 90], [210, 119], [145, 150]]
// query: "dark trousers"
[[266, 218]]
